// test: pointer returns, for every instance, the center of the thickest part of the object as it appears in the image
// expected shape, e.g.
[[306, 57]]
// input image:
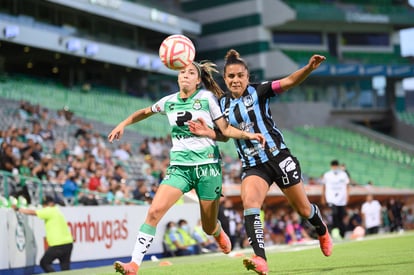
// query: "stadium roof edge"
[[135, 14]]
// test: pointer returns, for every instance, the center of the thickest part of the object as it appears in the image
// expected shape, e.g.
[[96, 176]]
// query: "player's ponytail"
[[206, 69]]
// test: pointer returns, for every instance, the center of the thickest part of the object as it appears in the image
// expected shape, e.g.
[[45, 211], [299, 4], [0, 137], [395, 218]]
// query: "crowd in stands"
[[67, 154]]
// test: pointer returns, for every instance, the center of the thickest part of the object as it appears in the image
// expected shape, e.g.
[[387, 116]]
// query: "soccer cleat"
[[257, 264], [326, 244], [224, 242], [130, 268]]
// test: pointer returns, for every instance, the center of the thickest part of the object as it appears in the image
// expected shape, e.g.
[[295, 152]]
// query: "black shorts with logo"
[[283, 169]]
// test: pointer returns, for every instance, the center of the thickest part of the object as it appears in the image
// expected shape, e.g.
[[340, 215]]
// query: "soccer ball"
[[177, 52]]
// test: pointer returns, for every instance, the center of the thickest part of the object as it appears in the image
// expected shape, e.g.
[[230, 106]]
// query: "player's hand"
[[116, 133], [316, 60], [199, 127], [259, 137]]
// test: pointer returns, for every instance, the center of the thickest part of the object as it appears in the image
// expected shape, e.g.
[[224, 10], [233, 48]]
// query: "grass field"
[[383, 254]]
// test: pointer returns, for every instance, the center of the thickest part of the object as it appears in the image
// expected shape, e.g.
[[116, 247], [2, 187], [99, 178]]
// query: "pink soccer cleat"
[[224, 242], [326, 244], [257, 264], [130, 268]]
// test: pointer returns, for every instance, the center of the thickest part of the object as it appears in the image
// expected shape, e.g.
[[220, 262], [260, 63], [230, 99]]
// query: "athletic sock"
[[217, 232], [143, 242], [254, 231], [315, 219]]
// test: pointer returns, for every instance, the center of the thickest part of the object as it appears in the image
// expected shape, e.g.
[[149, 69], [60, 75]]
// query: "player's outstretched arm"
[[118, 131], [300, 75]]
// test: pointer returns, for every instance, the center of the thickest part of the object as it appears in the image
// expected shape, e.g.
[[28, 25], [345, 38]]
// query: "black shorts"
[[283, 169]]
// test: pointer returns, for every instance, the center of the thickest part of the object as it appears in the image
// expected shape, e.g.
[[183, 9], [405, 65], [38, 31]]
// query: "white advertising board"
[[100, 232]]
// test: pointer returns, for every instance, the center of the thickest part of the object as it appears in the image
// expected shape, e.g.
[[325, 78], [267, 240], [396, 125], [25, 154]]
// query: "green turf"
[[384, 254]]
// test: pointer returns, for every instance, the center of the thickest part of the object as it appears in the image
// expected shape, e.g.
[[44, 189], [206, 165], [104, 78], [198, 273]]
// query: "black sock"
[[316, 221], [255, 234]]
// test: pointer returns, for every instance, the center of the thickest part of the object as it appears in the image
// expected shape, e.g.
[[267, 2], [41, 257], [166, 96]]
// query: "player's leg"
[[167, 195], [208, 190], [253, 192], [298, 199]]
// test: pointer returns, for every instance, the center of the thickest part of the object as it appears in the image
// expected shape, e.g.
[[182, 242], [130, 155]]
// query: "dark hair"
[[181, 221], [47, 200], [205, 70], [233, 57], [334, 163]]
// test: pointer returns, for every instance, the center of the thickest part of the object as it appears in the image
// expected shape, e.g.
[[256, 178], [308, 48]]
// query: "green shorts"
[[205, 179]]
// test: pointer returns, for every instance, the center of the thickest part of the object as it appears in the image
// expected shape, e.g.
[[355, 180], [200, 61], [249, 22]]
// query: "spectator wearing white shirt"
[[335, 194], [122, 152], [371, 215]]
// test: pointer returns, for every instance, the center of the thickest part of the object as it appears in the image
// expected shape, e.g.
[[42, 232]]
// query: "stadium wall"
[[102, 234]]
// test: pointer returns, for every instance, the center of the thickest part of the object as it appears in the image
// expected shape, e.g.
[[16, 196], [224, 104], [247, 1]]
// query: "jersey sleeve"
[[214, 107], [159, 106], [264, 89]]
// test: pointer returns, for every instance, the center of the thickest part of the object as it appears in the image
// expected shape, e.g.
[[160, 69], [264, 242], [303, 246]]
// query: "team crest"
[[248, 100], [197, 105]]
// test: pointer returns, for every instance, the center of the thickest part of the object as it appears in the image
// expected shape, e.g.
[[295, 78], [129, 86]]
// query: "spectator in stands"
[[186, 236], [234, 220], [80, 148], [49, 132], [206, 242], [189, 169], [26, 166], [140, 191], [123, 152], [355, 219], [58, 235], [409, 219], [173, 243], [275, 226], [35, 133], [8, 161], [144, 147], [394, 208], [371, 215], [83, 130], [70, 187], [120, 175], [42, 170], [90, 163], [155, 148], [115, 193], [33, 149], [247, 106], [61, 118], [294, 231], [61, 150]]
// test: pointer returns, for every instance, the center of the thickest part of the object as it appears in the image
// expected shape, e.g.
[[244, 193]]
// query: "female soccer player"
[[246, 106], [194, 161]]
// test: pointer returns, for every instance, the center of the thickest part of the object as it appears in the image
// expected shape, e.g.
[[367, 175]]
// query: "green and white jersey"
[[187, 148]]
